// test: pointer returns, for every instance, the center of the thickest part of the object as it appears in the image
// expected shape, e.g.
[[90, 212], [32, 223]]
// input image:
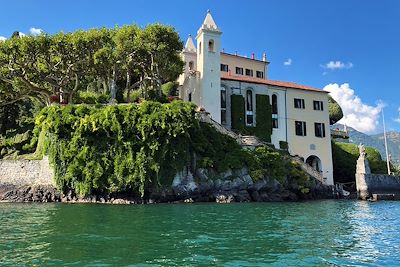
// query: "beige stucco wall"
[[302, 145], [246, 63], [279, 134]]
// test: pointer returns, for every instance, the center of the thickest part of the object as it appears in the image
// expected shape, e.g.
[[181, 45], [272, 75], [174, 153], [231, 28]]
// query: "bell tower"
[[208, 65]]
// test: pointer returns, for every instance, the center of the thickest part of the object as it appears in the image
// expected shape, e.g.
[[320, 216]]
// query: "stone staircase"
[[309, 170], [251, 142]]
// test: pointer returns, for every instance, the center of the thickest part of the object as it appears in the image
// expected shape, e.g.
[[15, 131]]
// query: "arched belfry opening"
[[211, 45], [314, 162]]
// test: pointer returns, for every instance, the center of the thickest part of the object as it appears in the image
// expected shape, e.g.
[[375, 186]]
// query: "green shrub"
[[283, 145], [91, 98], [170, 88], [345, 157]]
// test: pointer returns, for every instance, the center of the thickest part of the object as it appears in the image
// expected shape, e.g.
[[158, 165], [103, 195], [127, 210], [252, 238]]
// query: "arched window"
[[249, 108], [275, 111], [191, 64], [223, 105], [274, 104], [211, 45]]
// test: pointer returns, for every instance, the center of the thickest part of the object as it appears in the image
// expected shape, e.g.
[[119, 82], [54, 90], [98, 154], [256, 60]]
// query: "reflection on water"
[[322, 233]]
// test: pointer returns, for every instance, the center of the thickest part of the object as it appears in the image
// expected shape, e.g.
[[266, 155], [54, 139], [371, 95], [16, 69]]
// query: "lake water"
[[319, 233]]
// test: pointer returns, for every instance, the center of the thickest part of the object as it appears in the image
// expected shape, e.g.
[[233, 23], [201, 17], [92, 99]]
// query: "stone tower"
[[208, 65], [189, 56]]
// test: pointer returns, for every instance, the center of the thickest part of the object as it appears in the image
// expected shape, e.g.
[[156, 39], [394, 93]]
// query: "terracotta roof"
[[269, 82]]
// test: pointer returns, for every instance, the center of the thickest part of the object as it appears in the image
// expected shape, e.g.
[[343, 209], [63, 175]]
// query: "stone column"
[[362, 171]]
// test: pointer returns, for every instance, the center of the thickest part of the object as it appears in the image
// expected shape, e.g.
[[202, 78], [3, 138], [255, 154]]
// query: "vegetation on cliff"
[[133, 148], [345, 157]]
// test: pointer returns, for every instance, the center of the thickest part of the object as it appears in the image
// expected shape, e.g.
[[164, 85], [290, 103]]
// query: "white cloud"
[[288, 62], [398, 117], [21, 34], [356, 114], [35, 31], [2, 38], [337, 65]]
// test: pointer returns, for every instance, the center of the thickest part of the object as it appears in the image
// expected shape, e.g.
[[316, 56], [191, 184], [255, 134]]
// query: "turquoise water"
[[321, 233]]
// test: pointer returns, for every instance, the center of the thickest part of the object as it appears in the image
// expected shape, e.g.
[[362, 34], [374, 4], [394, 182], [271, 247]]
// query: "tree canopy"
[[335, 111], [58, 66]]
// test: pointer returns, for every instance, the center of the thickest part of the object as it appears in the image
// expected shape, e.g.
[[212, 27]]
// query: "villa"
[[233, 89]]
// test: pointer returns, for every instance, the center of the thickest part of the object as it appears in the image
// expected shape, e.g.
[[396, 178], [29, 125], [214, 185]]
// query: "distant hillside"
[[376, 141]]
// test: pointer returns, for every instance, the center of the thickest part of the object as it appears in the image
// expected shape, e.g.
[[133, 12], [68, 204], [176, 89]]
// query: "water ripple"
[[322, 233]]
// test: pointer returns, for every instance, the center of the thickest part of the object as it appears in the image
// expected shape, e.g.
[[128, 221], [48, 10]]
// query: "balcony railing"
[[336, 133]]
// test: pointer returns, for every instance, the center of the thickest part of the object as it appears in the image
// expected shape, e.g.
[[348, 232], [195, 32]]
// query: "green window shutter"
[[237, 111]]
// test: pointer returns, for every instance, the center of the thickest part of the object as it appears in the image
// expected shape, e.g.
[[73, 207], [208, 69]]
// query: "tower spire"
[[209, 23], [189, 46]]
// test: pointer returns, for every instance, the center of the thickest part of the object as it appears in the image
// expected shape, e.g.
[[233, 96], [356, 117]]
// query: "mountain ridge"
[[375, 141]]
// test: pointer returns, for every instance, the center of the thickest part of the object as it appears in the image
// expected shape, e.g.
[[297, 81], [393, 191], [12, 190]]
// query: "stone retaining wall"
[[26, 172]]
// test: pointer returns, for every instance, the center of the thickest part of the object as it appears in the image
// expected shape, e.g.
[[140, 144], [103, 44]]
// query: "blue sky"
[[350, 47]]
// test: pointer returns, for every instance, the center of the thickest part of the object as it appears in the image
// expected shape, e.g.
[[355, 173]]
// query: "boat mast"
[[386, 147]]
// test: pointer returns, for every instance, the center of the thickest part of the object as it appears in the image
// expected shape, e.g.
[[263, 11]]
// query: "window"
[[224, 67], [211, 45], [299, 103], [318, 105], [274, 104], [223, 105], [190, 97], [249, 72], [319, 129], [239, 71], [275, 111], [275, 123], [259, 74], [300, 128], [191, 65], [249, 108]]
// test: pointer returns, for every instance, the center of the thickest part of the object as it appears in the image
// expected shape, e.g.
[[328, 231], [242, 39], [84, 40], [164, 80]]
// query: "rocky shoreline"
[[183, 190]]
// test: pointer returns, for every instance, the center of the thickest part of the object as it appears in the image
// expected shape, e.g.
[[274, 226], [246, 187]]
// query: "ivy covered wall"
[[263, 128], [237, 111]]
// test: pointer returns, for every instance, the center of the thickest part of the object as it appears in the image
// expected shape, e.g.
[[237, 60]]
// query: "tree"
[[157, 58], [335, 111], [59, 65]]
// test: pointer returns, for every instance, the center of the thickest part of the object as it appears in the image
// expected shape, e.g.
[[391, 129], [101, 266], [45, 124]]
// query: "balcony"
[[336, 133]]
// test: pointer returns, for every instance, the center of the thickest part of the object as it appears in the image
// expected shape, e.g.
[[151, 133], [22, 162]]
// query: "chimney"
[[252, 56], [264, 58]]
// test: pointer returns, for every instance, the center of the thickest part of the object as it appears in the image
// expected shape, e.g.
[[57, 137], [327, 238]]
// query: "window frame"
[[299, 103], [319, 129], [302, 131], [223, 107], [318, 105], [239, 70], [249, 108], [223, 67], [249, 72]]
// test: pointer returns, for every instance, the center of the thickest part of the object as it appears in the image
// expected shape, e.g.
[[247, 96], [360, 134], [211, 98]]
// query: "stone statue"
[[361, 148]]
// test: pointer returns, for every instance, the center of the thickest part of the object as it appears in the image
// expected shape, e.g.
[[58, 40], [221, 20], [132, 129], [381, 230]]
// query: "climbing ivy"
[[238, 113], [263, 118], [130, 148], [263, 128]]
